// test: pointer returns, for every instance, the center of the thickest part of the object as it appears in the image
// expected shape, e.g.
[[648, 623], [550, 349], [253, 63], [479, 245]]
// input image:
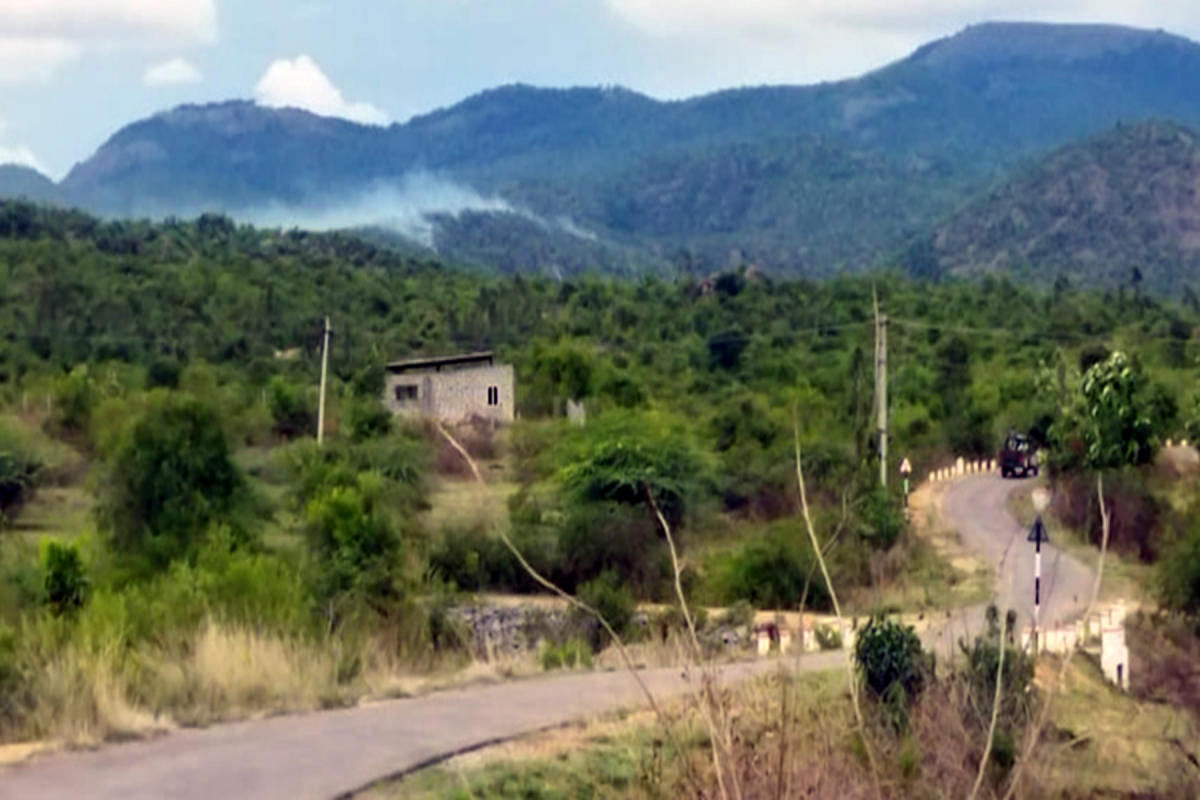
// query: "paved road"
[[327, 754], [977, 507]]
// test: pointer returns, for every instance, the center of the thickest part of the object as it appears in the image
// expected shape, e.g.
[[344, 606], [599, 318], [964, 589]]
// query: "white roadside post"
[[1037, 535], [905, 471]]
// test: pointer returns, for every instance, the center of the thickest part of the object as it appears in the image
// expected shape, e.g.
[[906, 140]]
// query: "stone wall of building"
[[457, 394]]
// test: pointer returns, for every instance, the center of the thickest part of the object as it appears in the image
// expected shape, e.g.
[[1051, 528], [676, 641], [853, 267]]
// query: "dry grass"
[[82, 699]]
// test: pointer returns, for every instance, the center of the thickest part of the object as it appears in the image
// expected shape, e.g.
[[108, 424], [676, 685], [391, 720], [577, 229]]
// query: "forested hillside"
[[1118, 209], [799, 180]]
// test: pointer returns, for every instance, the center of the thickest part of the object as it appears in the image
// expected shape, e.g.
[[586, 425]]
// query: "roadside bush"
[[889, 654], [613, 600], [1179, 575], [568, 655], [983, 656], [11, 699], [612, 537], [775, 571], [1135, 514], [882, 520], [828, 637], [65, 584], [474, 560]]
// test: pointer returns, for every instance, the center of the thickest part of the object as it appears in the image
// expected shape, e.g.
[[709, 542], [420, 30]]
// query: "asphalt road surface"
[[328, 754]]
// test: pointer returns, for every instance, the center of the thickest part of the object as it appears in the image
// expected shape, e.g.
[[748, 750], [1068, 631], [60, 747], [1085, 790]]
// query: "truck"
[[1018, 456]]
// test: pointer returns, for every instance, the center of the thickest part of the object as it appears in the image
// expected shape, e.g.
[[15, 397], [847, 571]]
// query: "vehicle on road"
[[1018, 457]]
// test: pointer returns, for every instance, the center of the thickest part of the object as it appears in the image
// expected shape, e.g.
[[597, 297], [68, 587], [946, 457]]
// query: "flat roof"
[[440, 361]]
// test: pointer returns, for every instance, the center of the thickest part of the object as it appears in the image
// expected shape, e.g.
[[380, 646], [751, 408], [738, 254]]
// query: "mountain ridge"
[[798, 179]]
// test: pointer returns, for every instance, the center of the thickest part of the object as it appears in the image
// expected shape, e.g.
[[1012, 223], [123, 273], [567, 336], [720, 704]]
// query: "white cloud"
[[172, 72], [774, 20], [22, 155], [300, 83], [164, 21], [24, 59], [37, 37]]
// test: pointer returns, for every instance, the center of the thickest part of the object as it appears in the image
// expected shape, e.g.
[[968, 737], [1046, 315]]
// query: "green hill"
[[1119, 209]]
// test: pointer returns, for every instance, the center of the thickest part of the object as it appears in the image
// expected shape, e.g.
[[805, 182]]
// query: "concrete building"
[[451, 388]]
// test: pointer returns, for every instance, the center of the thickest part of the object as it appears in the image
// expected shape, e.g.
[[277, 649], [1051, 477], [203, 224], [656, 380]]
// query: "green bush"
[[623, 455], [613, 600], [1179, 575], [170, 479], [65, 584], [883, 520], [775, 571], [889, 653], [293, 412], [359, 554], [611, 537], [19, 470], [828, 637], [568, 655], [369, 419]]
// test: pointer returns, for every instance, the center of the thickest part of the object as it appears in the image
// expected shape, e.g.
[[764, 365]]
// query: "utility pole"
[[881, 402], [324, 373]]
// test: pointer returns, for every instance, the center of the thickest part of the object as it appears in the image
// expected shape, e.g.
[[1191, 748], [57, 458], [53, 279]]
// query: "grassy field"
[[1099, 743]]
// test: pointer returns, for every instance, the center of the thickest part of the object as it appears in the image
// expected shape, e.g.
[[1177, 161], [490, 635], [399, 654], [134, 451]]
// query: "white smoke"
[[407, 207]]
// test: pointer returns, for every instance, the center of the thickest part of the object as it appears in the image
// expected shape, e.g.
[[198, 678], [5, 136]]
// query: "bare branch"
[[816, 545]]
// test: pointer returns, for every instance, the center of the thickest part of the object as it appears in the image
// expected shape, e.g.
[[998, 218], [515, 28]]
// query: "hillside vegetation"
[[1120, 209]]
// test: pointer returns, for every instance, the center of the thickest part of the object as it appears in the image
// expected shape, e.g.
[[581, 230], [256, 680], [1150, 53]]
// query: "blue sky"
[[74, 71]]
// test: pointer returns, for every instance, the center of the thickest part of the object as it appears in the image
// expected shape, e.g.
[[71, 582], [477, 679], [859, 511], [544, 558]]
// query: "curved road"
[[332, 753]]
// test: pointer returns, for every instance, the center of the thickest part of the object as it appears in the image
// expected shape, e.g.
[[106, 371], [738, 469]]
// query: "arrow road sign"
[[905, 467], [1038, 534]]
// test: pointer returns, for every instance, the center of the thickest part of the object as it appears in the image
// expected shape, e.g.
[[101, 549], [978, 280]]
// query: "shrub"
[[889, 654], [19, 470], [369, 419], [170, 479], [883, 520], [1179, 575], [65, 583], [775, 571], [569, 655], [828, 637], [10, 677], [294, 415], [611, 537], [359, 553], [608, 595]]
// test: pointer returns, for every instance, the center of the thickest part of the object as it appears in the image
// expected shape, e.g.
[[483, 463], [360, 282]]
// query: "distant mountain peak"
[[992, 42]]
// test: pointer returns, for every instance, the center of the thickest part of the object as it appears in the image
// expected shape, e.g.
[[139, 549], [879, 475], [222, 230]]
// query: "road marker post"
[[1037, 535]]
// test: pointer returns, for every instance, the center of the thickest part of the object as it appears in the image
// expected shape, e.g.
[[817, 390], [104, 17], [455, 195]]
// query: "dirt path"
[[329, 754]]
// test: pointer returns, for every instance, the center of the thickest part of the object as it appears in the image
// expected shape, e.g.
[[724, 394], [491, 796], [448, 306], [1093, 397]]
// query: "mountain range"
[[896, 166]]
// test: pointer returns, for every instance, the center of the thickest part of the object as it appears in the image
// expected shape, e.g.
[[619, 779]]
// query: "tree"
[[1106, 419], [171, 477]]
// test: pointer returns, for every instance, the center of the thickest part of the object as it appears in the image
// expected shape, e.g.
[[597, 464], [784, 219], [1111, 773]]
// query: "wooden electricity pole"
[[881, 401], [324, 373]]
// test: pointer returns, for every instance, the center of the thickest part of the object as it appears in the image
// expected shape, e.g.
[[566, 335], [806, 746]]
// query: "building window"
[[493, 395], [406, 393]]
